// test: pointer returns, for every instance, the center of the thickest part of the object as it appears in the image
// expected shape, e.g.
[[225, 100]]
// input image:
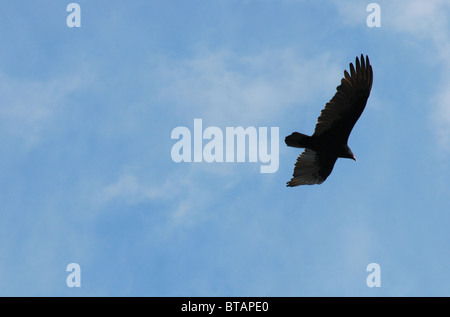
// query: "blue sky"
[[86, 116]]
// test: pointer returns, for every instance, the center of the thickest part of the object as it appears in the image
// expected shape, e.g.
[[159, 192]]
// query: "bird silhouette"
[[334, 125]]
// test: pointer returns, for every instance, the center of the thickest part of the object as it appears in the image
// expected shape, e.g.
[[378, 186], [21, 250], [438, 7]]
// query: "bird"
[[333, 127]]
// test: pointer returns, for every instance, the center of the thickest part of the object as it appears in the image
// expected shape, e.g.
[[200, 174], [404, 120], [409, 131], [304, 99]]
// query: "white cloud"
[[226, 88], [186, 195], [420, 18], [128, 188], [28, 106], [428, 20]]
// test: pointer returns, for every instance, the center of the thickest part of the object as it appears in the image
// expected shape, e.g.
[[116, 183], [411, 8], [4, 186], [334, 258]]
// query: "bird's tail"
[[297, 140]]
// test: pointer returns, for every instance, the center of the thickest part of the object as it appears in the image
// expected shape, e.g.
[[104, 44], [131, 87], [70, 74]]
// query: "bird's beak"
[[354, 158]]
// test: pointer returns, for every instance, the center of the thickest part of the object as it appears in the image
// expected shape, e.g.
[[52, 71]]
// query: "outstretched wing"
[[340, 114], [311, 168]]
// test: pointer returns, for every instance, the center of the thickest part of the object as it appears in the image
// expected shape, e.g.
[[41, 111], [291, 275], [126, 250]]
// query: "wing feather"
[[311, 168], [340, 114]]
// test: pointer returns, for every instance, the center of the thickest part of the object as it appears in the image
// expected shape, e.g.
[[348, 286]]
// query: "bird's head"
[[349, 154]]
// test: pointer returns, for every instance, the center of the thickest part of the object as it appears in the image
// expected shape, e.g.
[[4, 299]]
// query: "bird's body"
[[335, 123]]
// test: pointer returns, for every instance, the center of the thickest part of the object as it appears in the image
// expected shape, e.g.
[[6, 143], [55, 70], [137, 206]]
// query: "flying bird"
[[336, 121]]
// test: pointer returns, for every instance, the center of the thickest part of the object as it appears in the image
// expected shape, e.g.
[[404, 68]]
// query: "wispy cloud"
[[226, 87], [28, 106], [428, 20], [127, 187], [184, 194]]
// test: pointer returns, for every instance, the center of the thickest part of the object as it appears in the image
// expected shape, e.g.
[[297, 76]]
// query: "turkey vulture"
[[333, 127]]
